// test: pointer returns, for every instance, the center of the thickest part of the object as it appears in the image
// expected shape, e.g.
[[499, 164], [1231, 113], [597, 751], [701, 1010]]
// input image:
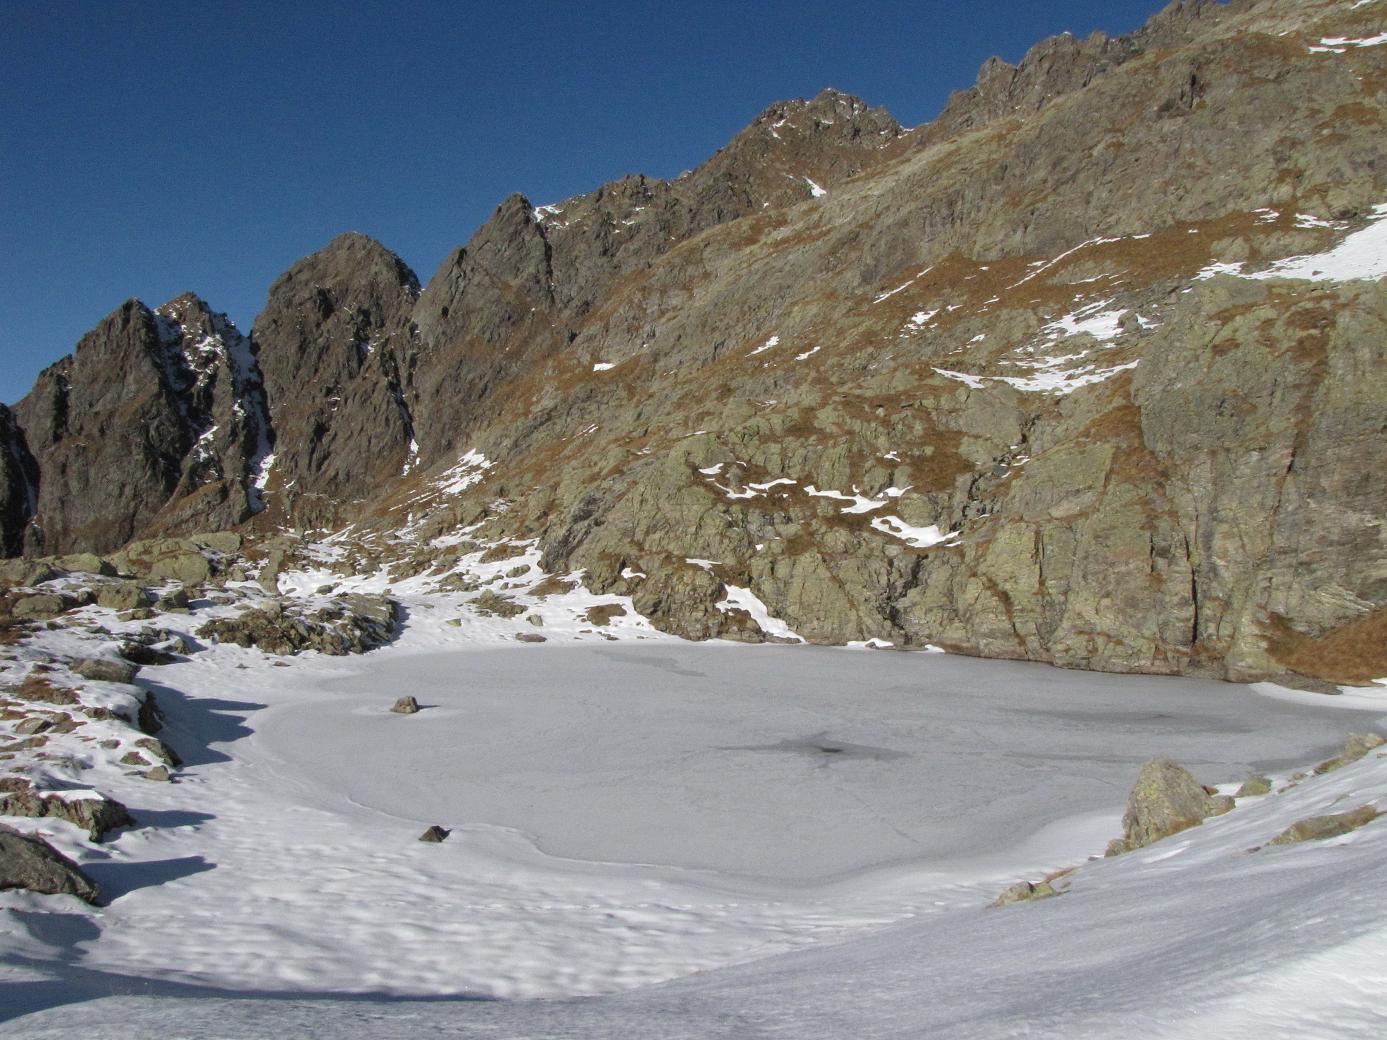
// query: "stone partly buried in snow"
[[1317, 828], [96, 815], [1023, 892], [105, 669], [346, 625], [1358, 745], [435, 834], [1166, 800], [405, 706], [29, 862]]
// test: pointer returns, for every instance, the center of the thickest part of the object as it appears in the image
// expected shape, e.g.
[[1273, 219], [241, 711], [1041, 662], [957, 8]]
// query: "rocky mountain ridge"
[[1012, 383]]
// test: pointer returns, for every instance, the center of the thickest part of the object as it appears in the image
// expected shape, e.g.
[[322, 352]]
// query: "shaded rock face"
[[18, 485], [29, 862], [151, 424], [333, 343]]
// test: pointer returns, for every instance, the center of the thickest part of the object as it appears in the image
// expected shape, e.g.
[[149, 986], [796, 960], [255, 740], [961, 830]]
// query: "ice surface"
[[623, 815]]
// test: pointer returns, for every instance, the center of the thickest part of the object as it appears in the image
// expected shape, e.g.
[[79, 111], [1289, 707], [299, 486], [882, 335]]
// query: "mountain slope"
[[1012, 382]]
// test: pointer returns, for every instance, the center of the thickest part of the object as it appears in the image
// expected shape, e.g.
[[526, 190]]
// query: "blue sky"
[[151, 148]]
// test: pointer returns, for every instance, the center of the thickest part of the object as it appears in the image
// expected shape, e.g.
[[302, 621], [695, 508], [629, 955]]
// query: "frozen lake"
[[786, 763], [675, 840]]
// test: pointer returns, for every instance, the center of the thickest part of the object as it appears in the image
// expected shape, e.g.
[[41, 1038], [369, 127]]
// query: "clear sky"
[[150, 147]]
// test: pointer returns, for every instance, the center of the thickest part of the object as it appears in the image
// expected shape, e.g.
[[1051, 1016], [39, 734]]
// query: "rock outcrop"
[[150, 425], [348, 625], [95, 815], [334, 345], [18, 485]]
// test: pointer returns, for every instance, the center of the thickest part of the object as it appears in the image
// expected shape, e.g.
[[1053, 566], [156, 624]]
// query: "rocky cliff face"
[[334, 344], [18, 484], [151, 424], [1024, 382]]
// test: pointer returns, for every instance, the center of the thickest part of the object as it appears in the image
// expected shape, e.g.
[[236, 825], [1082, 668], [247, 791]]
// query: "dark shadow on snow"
[[193, 724], [119, 879], [68, 982]]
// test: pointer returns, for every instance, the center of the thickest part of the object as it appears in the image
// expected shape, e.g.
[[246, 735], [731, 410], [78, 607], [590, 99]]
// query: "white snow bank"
[[747, 600], [1360, 256], [917, 537]]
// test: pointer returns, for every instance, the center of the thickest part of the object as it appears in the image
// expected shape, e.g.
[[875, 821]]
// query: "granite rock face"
[[333, 344], [150, 425], [18, 485], [1013, 383]]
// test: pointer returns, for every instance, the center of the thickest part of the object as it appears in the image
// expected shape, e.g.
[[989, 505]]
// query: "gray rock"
[[348, 625], [405, 706], [29, 862], [105, 669], [435, 834], [1253, 786], [96, 816], [125, 595], [1165, 800]]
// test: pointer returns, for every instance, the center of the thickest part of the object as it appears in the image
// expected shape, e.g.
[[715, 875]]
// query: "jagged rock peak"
[[828, 108], [334, 345], [351, 255], [1060, 65]]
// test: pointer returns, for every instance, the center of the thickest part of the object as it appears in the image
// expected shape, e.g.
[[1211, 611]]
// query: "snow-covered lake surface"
[[662, 839]]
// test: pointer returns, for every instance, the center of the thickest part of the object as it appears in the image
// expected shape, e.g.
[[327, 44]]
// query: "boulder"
[[435, 834], [25, 573], [405, 706], [1253, 786], [1166, 800], [191, 568], [29, 862], [224, 542], [1317, 828], [490, 604], [105, 669], [85, 563], [529, 637], [174, 599], [124, 595], [41, 605]]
